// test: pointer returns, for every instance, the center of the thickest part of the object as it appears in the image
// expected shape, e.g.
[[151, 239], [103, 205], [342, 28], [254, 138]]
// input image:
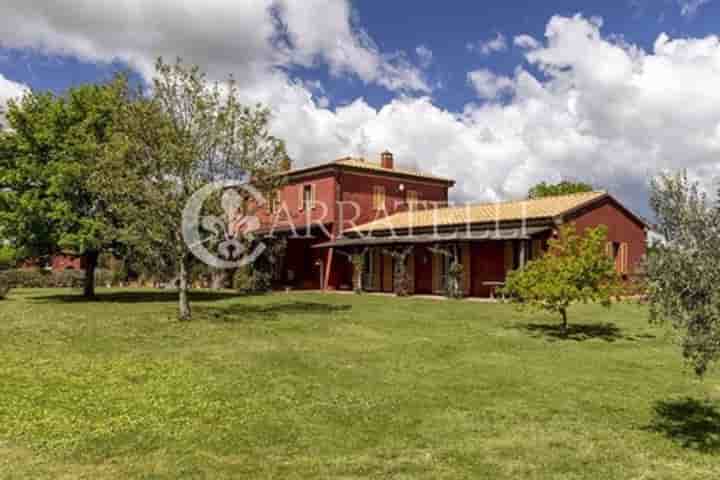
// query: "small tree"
[[401, 280], [188, 134], [684, 272], [358, 262], [455, 273], [565, 187], [576, 269]]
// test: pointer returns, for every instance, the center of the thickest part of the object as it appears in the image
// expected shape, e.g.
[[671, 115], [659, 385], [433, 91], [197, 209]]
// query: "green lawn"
[[343, 386]]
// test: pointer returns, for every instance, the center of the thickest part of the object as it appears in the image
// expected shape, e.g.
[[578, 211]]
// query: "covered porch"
[[486, 257]]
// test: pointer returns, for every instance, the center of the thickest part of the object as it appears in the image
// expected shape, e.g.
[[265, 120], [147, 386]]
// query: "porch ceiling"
[[477, 235]]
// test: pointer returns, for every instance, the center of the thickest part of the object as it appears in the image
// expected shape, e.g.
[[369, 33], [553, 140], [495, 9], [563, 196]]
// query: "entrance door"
[[423, 271], [488, 265]]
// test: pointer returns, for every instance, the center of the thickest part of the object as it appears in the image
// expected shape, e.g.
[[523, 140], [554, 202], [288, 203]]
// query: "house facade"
[[332, 211]]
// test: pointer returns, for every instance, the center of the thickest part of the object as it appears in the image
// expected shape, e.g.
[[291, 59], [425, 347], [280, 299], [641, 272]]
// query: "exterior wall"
[[357, 188], [325, 194], [622, 228], [57, 263]]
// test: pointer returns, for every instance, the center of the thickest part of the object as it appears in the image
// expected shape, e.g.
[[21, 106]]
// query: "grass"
[[343, 386]]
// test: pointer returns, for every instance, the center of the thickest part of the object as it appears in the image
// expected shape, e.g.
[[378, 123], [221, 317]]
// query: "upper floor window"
[[307, 200], [378, 197]]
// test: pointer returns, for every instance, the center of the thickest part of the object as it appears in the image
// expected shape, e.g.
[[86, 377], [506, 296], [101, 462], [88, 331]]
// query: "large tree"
[[188, 133], [575, 269], [684, 271], [52, 147], [564, 187]]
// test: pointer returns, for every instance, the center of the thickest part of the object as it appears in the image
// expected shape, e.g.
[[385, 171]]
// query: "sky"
[[498, 95]]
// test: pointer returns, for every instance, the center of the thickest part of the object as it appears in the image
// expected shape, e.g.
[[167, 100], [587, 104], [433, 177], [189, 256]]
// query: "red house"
[[332, 210]]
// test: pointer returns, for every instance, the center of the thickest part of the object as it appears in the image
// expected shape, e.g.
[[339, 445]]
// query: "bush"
[[4, 288], [249, 280], [8, 257], [36, 278]]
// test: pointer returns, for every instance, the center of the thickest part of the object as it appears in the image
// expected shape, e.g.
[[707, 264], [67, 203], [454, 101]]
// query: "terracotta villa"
[[352, 205]]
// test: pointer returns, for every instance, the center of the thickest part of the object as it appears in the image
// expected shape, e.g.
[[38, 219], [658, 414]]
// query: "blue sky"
[[449, 86]]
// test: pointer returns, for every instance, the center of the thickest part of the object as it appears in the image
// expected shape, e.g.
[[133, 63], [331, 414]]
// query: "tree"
[[51, 150], [575, 269], [565, 187], [683, 273], [189, 133]]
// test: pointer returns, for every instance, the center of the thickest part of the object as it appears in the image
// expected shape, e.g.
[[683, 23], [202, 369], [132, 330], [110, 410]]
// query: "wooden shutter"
[[301, 197], [437, 272], [609, 249], [509, 256], [536, 248], [465, 258], [623, 258], [411, 272], [387, 273], [377, 267]]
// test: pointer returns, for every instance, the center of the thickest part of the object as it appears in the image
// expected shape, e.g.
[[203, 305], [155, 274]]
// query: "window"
[[411, 197], [378, 197], [307, 200]]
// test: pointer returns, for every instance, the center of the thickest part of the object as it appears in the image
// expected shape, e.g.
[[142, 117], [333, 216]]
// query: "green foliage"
[[37, 278], [8, 257], [249, 280], [189, 132], [565, 187], [684, 273], [53, 148], [576, 269], [5, 287]]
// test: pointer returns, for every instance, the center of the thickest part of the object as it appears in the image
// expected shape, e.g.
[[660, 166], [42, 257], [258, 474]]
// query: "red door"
[[423, 271], [488, 265]]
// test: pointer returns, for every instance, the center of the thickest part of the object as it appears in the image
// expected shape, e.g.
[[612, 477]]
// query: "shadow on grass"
[[241, 313], [577, 332], [693, 424], [149, 296]]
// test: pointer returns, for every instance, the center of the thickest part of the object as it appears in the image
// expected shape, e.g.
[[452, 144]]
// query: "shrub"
[[249, 280], [4, 288], [42, 279], [8, 257]]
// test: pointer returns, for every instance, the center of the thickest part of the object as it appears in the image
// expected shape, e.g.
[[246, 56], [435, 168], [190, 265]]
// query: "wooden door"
[[487, 265], [423, 271]]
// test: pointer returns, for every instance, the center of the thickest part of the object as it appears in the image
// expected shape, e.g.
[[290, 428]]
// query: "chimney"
[[386, 160]]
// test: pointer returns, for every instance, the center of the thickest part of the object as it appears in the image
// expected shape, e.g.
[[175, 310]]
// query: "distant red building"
[[331, 210]]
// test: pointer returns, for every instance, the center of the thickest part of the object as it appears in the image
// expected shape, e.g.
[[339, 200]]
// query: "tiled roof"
[[361, 163], [548, 207]]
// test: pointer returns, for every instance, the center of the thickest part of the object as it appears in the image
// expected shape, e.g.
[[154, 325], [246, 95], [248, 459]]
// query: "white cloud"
[[247, 38], [688, 8], [425, 55], [488, 85], [9, 90], [487, 47], [525, 41], [603, 111]]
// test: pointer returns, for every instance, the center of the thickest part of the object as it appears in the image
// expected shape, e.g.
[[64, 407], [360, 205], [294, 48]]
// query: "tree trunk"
[[184, 313], [563, 312], [91, 261]]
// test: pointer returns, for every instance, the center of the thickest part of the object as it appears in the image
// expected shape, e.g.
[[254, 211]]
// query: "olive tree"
[[683, 272]]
